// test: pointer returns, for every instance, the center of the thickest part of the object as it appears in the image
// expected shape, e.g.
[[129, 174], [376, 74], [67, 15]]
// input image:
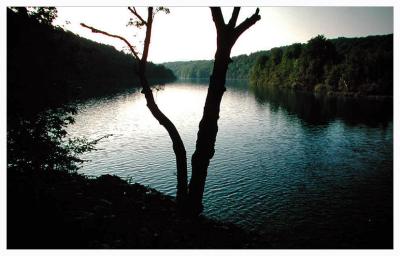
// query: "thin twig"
[[131, 47], [134, 12]]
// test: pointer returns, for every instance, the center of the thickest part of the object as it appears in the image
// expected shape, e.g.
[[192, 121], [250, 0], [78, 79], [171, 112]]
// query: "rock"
[[106, 202]]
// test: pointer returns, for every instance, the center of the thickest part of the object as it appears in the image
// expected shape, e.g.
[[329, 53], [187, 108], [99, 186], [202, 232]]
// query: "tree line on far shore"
[[343, 65]]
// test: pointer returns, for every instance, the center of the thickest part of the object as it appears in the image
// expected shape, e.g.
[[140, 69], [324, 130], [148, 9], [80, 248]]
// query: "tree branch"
[[133, 10], [95, 30], [218, 18], [177, 143], [247, 23], [234, 17], [147, 38]]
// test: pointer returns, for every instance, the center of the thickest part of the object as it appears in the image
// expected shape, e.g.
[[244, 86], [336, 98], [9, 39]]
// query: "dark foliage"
[[238, 69], [42, 57], [47, 68], [345, 65], [191, 69]]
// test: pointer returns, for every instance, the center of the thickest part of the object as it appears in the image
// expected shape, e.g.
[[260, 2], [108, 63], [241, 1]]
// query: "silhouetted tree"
[[178, 146], [44, 15], [227, 34]]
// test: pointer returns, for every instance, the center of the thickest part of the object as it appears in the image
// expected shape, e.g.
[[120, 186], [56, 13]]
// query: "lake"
[[303, 170]]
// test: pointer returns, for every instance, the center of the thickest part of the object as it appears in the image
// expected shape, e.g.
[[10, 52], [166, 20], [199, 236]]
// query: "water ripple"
[[270, 169]]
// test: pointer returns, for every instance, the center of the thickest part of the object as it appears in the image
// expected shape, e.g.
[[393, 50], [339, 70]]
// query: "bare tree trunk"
[[177, 143], [227, 34], [208, 129]]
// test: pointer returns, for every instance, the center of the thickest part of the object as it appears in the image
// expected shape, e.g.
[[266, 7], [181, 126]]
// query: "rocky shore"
[[53, 210]]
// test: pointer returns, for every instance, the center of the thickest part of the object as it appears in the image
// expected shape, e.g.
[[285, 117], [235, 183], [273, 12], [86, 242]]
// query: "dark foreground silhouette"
[[60, 210], [57, 210]]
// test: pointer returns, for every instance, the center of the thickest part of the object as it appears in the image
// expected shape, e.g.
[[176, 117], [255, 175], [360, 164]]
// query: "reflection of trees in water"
[[235, 84], [320, 109]]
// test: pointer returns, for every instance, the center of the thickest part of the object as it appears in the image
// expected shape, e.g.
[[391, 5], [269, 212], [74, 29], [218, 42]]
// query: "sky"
[[188, 33]]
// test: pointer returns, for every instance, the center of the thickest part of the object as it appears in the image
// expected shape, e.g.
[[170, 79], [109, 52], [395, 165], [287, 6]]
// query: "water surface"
[[306, 171]]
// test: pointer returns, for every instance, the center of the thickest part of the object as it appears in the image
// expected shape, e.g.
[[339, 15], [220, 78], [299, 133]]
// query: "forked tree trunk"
[[227, 34]]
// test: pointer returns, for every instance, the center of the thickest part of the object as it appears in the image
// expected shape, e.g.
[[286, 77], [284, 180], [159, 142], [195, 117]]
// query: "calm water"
[[303, 170]]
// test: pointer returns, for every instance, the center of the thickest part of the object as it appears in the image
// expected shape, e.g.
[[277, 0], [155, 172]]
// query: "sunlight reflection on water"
[[276, 167]]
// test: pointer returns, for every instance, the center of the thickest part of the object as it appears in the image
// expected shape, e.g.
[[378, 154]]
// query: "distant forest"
[[238, 69], [342, 65], [44, 61]]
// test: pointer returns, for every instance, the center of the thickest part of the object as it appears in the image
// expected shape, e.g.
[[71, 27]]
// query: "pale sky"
[[188, 33]]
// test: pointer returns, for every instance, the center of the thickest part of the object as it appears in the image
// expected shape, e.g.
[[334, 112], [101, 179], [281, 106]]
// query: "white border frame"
[[396, 124]]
